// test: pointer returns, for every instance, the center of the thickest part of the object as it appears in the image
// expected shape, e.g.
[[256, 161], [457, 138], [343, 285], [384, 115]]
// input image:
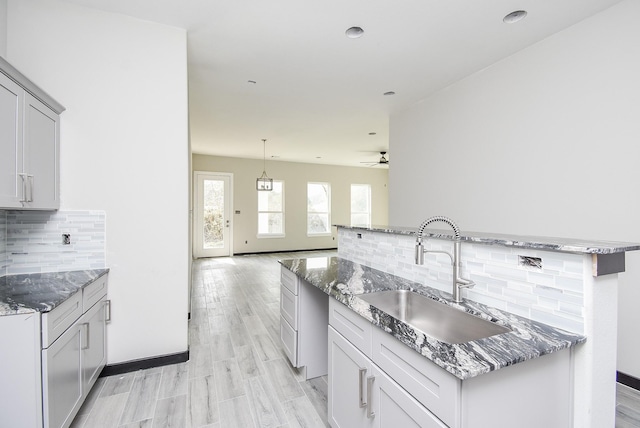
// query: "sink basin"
[[433, 318]]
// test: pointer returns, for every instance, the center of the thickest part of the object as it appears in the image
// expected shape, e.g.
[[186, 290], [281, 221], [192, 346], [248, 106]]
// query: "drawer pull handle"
[[85, 327], [370, 413], [361, 375], [107, 305]]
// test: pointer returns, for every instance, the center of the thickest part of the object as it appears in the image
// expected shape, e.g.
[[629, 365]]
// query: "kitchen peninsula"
[[552, 293]]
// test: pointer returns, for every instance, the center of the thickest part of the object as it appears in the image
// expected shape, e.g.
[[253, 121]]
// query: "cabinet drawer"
[[289, 306], [94, 292], [289, 340], [55, 322], [431, 385], [289, 280], [351, 325]]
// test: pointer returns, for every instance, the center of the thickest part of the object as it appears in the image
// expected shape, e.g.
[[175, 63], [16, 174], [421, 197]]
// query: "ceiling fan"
[[383, 160]]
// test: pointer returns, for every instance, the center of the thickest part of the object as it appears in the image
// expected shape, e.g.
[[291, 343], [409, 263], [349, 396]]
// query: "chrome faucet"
[[458, 282]]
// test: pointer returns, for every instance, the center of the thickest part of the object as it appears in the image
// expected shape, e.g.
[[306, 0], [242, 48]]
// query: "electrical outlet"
[[66, 238], [530, 262]]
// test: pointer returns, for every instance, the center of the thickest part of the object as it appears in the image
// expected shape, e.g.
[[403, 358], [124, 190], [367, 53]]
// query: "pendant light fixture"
[[264, 183]]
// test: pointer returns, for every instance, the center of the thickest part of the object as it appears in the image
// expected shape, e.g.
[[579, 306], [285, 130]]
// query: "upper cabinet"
[[29, 143]]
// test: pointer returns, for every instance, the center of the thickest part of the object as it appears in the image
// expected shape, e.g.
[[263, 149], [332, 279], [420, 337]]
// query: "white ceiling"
[[318, 94]]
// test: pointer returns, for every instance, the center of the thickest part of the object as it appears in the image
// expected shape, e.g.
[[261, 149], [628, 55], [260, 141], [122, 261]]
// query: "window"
[[271, 211], [361, 205], [318, 209]]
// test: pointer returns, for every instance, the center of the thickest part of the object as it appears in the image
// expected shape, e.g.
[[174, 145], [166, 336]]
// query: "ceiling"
[[318, 95]]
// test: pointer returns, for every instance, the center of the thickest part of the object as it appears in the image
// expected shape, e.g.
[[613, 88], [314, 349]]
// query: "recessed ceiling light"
[[389, 93], [354, 32], [514, 16]]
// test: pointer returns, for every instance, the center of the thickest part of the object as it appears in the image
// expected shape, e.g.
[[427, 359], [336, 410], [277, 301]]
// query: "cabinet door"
[[94, 355], [62, 380], [289, 341], [41, 134], [394, 407], [347, 395], [11, 105]]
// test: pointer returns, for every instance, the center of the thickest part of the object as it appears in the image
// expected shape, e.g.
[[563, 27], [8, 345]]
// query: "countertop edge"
[[565, 245]]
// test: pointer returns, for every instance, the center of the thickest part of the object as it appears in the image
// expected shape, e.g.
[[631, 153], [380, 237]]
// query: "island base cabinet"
[[303, 338], [532, 394], [362, 395], [347, 381], [377, 381]]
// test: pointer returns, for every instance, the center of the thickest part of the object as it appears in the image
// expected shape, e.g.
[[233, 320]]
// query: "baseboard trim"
[[145, 363], [630, 381]]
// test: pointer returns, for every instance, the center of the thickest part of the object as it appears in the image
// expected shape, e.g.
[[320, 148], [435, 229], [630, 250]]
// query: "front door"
[[212, 214]]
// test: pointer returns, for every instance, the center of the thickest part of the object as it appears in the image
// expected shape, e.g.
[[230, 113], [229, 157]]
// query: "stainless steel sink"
[[433, 318]]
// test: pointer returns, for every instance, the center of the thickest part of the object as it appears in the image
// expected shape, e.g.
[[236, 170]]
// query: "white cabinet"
[[11, 108], [93, 352], [41, 155], [348, 370], [62, 378], [29, 143], [304, 311], [362, 395], [55, 359], [377, 381], [72, 364]]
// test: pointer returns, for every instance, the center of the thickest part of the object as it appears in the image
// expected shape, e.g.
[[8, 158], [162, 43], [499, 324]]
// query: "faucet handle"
[[465, 283]]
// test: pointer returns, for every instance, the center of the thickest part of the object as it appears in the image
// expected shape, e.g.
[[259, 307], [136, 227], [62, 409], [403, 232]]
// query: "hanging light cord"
[[264, 156]]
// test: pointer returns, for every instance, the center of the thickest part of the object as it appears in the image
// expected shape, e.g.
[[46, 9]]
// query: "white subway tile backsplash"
[[552, 294], [32, 241], [3, 243]]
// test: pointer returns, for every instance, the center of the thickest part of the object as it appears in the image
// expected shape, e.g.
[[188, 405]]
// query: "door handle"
[[361, 375], [24, 187], [30, 187], [107, 307], [370, 413]]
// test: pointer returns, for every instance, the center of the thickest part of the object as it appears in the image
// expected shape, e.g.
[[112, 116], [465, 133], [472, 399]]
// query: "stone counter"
[[42, 292], [345, 280]]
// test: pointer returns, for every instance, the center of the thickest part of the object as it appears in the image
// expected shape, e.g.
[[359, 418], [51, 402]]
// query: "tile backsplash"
[[3, 243], [32, 241], [548, 287]]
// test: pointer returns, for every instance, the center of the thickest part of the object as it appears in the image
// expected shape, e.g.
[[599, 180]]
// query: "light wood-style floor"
[[237, 375]]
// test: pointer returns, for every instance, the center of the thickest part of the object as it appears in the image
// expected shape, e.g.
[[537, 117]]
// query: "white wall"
[[544, 142], [295, 176], [124, 150], [3, 28]]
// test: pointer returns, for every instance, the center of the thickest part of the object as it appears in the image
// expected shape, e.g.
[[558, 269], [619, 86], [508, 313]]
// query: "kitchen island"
[[564, 289], [415, 378]]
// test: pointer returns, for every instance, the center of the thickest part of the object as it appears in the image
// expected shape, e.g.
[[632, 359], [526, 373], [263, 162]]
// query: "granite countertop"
[[345, 280], [42, 292], [567, 245]]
